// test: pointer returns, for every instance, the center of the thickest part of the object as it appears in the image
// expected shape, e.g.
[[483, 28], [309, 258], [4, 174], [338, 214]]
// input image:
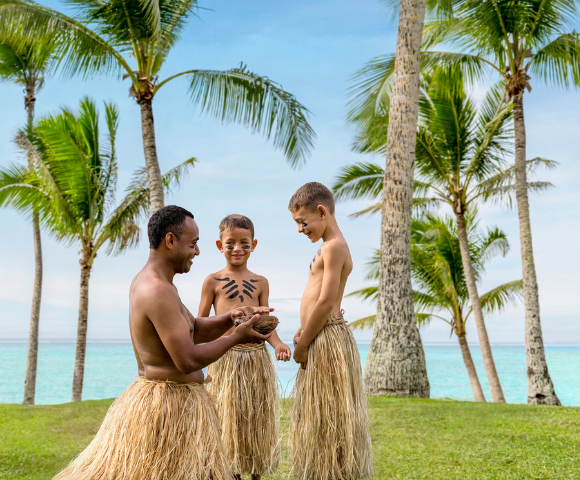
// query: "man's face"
[[311, 223], [186, 249], [236, 245]]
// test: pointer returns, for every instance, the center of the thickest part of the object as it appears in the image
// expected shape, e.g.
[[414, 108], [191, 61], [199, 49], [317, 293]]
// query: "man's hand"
[[244, 311], [244, 333], [301, 355], [282, 352]]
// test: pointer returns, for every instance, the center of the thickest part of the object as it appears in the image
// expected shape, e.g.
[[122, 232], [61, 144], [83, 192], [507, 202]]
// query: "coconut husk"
[[246, 388], [264, 325], [155, 430], [329, 426]]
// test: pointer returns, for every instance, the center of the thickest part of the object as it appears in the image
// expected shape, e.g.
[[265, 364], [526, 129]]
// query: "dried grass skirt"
[[246, 388], [155, 430], [329, 426]]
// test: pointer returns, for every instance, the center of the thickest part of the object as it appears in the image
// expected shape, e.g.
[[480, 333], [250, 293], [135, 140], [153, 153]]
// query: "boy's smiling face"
[[311, 223], [236, 245]]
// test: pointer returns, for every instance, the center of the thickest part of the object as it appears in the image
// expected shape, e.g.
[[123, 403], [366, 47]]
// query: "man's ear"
[[254, 243], [219, 245], [321, 209], [170, 240]]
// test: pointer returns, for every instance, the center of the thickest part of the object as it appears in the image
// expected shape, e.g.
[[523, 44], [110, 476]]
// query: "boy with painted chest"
[[244, 379], [329, 426]]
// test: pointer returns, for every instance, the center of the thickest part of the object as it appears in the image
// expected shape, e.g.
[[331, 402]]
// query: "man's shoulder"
[[147, 285]]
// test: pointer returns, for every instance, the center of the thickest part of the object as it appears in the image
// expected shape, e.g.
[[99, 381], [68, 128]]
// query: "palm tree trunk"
[[32, 355], [156, 196], [396, 361], [79, 373], [488, 363], [540, 387], [470, 367]]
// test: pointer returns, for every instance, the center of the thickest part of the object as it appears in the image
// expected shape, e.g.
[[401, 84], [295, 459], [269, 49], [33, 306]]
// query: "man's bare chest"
[[236, 290]]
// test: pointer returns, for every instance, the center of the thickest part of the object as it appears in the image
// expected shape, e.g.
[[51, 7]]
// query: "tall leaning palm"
[[146, 30], [73, 187], [27, 65], [440, 291], [460, 160], [521, 41]]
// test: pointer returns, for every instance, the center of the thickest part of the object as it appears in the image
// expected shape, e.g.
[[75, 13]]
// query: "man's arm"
[[174, 331], [334, 259]]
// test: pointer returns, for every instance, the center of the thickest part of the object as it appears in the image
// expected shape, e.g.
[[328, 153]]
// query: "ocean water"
[[111, 366]]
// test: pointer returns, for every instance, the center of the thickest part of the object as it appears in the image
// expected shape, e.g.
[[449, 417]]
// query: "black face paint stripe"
[[246, 247], [248, 294], [229, 284], [231, 289], [235, 294], [227, 279]]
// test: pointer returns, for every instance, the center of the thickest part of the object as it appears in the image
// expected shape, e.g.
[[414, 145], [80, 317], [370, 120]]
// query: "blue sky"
[[311, 49]]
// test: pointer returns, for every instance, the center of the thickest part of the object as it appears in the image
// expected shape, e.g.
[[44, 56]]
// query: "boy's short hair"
[[167, 219], [236, 221], [310, 196]]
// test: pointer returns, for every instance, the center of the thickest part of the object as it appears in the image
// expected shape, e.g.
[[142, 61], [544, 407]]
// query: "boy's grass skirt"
[[329, 428], [246, 388], [156, 430]]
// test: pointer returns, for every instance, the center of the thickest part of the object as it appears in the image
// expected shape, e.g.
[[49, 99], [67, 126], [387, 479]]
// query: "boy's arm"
[[263, 302], [334, 259], [207, 297]]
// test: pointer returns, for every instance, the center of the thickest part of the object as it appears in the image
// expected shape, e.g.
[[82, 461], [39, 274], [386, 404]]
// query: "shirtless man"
[[329, 424], [164, 426]]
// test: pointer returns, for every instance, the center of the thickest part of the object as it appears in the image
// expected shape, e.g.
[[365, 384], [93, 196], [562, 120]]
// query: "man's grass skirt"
[[246, 388], [329, 429], [156, 430]]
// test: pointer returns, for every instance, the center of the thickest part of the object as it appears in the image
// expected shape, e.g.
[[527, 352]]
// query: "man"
[[165, 425]]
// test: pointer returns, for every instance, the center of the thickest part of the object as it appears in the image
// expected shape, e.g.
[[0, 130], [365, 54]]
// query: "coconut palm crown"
[[440, 290], [104, 34], [72, 187]]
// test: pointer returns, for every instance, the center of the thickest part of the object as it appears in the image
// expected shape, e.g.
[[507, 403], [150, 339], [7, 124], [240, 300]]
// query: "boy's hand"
[[282, 352], [244, 333], [301, 355], [243, 311], [297, 337]]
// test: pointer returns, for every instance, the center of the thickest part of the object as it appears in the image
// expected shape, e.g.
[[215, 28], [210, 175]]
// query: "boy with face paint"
[[329, 425], [244, 380]]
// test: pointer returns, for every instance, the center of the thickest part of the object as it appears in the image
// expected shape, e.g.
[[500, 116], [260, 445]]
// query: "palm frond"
[[363, 323], [558, 62], [501, 296], [359, 181], [240, 96], [365, 293]]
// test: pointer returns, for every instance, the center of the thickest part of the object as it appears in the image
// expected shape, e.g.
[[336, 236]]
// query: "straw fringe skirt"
[[329, 426], [246, 388], [156, 430]]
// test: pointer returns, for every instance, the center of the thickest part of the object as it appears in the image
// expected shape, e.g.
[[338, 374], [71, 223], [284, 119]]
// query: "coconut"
[[265, 324]]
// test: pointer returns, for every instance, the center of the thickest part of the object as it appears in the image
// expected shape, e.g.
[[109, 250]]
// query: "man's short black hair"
[[168, 219]]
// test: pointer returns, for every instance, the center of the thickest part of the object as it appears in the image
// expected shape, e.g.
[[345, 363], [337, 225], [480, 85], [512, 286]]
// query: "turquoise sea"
[[110, 367]]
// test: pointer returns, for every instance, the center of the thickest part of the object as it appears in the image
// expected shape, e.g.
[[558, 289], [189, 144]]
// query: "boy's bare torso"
[[153, 359], [315, 276], [234, 289]]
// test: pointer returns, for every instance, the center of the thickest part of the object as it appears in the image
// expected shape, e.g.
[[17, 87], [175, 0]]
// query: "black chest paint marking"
[[234, 289], [314, 259]]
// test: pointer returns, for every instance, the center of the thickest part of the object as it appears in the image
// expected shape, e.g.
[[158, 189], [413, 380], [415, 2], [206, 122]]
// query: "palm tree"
[[439, 279], [396, 361], [147, 30], [516, 40], [73, 186], [27, 65], [460, 160]]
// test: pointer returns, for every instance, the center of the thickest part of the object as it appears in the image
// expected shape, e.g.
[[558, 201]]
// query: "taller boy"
[[244, 380], [329, 429]]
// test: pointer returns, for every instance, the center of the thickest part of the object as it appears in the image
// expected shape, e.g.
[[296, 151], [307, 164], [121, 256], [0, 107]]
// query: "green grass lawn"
[[428, 439]]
